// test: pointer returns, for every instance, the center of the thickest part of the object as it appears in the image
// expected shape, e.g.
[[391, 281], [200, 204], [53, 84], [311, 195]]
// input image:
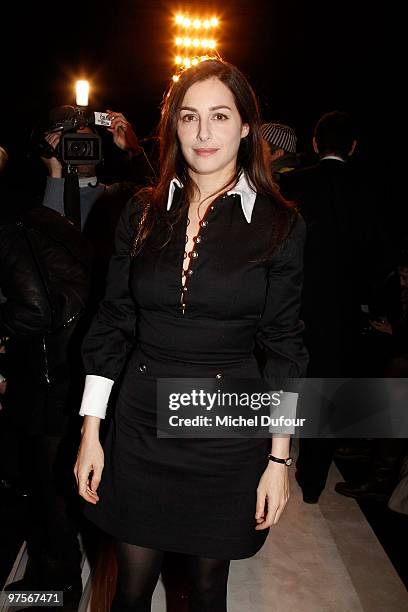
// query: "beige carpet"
[[319, 558]]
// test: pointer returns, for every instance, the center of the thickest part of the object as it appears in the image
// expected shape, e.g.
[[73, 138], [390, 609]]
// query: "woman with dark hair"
[[208, 266]]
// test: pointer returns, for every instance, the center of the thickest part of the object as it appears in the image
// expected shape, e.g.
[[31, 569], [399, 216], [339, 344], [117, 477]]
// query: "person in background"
[[138, 168], [281, 148], [100, 205], [386, 454], [44, 281], [345, 251]]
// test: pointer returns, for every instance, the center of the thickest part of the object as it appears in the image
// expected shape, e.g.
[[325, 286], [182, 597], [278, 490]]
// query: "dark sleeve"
[[25, 309], [280, 330], [112, 331]]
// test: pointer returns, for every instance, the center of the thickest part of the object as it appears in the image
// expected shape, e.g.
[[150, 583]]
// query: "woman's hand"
[[272, 495], [90, 459]]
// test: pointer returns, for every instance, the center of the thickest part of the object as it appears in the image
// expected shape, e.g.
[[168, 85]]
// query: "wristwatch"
[[288, 461]]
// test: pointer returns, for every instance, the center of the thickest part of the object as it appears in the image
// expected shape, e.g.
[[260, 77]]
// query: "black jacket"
[[44, 273], [44, 280], [345, 251]]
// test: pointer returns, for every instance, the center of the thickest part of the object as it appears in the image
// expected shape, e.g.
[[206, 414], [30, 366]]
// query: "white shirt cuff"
[[96, 395]]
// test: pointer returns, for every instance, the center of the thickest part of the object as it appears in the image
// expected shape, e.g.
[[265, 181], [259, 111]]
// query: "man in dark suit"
[[342, 255]]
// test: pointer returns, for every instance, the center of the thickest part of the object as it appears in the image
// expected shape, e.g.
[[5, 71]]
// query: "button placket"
[[193, 255]]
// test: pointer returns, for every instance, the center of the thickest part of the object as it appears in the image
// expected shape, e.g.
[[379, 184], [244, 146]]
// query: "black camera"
[[76, 147], [80, 148]]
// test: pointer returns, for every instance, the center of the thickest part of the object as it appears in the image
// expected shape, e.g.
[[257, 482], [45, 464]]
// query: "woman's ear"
[[244, 130]]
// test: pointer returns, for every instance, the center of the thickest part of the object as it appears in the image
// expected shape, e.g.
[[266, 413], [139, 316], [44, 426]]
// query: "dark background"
[[303, 59]]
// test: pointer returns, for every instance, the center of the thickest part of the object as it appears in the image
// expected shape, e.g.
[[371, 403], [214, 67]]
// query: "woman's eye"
[[188, 118], [220, 117]]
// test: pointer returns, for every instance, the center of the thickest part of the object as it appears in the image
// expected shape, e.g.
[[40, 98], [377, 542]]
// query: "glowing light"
[[188, 47], [82, 93]]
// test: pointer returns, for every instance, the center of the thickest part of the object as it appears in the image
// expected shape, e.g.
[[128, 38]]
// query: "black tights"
[[138, 572]]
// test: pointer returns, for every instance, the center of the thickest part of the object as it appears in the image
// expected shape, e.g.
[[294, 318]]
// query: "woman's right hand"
[[90, 459]]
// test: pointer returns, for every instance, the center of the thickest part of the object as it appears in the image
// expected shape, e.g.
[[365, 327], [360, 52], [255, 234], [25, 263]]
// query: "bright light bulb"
[[82, 93], [204, 43], [187, 62], [196, 42], [206, 24], [187, 22], [179, 41], [194, 61], [214, 22], [187, 42], [178, 59], [212, 44], [197, 23], [179, 19]]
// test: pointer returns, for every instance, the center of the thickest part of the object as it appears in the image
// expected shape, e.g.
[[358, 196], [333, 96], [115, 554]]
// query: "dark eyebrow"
[[212, 108]]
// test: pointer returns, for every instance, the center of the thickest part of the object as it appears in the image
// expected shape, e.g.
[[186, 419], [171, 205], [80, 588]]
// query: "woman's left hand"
[[272, 495]]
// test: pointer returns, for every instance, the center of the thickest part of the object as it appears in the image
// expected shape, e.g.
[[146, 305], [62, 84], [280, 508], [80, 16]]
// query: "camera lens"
[[80, 148]]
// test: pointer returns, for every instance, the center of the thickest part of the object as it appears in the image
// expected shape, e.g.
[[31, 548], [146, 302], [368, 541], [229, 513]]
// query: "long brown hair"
[[251, 156]]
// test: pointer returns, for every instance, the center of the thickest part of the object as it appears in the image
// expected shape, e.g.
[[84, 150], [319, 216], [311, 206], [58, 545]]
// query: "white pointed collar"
[[242, 188]]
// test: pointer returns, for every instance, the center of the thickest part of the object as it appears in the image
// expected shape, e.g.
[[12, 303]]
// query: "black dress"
[[193, 496]]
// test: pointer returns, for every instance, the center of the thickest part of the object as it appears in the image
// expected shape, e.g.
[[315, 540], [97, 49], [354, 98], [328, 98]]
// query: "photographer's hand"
[[123, 134], [52, 164]]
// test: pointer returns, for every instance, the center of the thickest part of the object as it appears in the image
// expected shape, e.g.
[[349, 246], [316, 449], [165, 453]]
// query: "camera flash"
[[82, 92]]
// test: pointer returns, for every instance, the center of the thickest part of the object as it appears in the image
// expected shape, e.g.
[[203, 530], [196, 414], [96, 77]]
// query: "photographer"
[[73, 188], [137, 166]]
